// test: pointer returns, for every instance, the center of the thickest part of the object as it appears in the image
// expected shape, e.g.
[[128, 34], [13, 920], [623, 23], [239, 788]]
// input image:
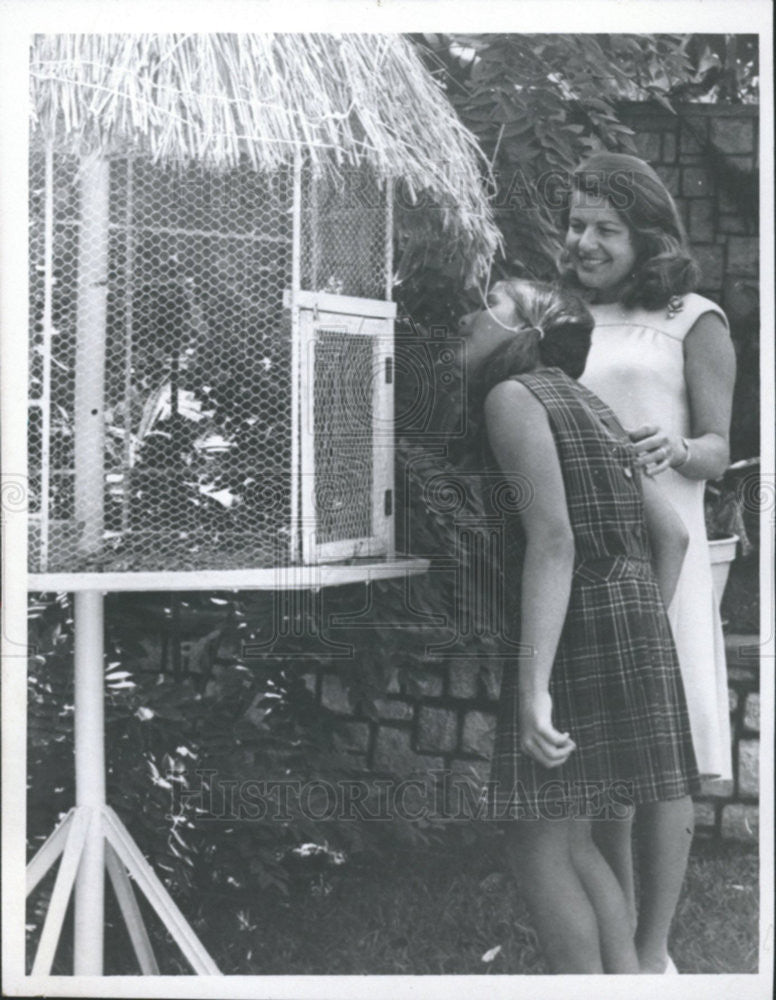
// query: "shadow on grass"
[[438, 912]]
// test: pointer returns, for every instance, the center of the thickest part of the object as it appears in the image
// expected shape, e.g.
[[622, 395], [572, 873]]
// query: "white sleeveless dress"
[[636, 366]]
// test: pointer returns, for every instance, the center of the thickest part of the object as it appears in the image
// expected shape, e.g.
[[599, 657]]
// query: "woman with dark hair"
[[592, 716], [661, 357]]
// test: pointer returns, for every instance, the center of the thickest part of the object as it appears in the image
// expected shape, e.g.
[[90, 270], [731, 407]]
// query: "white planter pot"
[[722, 552]]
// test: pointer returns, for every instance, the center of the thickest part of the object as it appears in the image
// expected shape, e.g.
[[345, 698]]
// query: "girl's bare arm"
[[522, 442]]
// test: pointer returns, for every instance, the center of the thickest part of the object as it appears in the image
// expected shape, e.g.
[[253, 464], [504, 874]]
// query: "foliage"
[[732, 507], [731, 503], [745, 328], [726, 69], [204, 416], [185, 753]]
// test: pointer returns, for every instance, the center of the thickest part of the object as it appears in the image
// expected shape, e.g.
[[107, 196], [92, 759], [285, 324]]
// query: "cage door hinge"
[[388, 503]]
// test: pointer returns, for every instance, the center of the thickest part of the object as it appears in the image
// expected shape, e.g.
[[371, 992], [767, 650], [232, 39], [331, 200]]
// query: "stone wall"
[[450, 727], [724, 239], [730, 808], [707, 155]]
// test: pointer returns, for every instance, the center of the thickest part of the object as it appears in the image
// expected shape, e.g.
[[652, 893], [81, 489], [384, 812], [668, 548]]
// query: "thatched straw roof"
[[219, 98]]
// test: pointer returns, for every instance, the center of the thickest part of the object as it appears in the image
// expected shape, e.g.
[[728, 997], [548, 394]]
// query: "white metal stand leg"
[[92, 837], [131, 913], [89, 781], [78, 829], [127, 850], [48, 854]]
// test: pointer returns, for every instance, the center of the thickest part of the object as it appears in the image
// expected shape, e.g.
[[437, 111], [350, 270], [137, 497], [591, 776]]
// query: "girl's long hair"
[[555, 332], [664, 265]]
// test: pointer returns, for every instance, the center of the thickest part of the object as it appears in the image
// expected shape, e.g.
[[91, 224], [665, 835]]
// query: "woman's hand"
[[539, 739], [656, 449]]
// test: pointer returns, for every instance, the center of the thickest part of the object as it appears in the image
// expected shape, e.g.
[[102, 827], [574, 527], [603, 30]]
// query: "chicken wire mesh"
[[343, 251], [343, 427], [196, 466]]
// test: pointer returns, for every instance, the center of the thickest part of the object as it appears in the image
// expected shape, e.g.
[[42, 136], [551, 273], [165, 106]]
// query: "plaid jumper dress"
[[615, 684]]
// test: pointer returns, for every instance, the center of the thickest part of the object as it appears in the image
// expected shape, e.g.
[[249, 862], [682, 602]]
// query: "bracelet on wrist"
[[686, 458]]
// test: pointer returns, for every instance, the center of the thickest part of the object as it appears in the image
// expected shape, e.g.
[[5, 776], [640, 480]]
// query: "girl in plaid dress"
[[593, 719]]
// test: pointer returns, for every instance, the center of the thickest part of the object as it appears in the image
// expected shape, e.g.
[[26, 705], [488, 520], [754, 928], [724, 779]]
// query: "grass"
[[438, 912], [715, 929], [432, 912]]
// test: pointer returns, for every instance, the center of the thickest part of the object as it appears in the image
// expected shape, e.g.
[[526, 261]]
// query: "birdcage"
[[210, 286], [211, 366]]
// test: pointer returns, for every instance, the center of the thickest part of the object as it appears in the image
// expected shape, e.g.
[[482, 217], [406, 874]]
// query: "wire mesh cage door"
[[347, 479]]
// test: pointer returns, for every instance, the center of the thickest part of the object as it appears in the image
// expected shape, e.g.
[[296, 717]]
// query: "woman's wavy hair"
[[664, 265], [553, 328]]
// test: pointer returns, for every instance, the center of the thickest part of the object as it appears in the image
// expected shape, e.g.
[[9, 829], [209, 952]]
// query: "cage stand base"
[[123, 862], [92, 840]]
